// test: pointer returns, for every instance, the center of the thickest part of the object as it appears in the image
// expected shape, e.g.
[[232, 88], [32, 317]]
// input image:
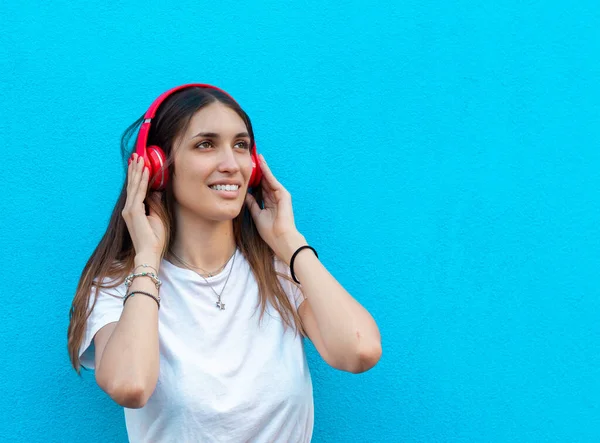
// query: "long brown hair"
[[114, 256]]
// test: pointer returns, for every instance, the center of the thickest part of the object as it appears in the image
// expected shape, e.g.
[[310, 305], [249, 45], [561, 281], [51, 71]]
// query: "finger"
[[133, 197], [143, 185], [132, 157], [135, 178], [252, 206], [130, 181], [268, 198], [134, 166], [268, 174], [266, 187], [130, 167]]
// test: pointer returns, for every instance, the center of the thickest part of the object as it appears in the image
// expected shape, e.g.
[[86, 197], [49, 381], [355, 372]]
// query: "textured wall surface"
[[443, 158]]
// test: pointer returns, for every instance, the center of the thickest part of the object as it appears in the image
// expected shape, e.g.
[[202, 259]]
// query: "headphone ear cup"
[[256, 175], [158, 167]]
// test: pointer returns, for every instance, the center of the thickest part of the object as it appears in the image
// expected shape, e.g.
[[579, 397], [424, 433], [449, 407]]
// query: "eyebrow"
[[215, 135]]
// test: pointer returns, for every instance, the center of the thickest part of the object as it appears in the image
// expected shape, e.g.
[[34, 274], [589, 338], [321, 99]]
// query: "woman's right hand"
[[147, 231]]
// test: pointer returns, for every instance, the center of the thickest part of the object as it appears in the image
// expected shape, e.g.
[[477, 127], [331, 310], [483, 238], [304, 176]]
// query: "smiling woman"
[[170, 308]]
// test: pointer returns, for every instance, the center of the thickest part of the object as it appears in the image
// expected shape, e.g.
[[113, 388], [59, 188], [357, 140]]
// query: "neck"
[[201, 243]]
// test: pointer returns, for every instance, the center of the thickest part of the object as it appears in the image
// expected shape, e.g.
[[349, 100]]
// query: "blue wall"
[[443, 158]]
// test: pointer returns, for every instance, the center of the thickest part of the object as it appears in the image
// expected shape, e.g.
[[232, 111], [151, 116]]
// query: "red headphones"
[[155, 158]]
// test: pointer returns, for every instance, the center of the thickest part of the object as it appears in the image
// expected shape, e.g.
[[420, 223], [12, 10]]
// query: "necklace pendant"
[[220, 305]]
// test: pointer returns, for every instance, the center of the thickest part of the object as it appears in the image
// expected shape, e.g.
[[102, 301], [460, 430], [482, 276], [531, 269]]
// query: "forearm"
[[130, 360], [348, 331]]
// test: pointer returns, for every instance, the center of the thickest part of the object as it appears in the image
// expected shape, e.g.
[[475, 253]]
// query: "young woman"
[[193, 308]]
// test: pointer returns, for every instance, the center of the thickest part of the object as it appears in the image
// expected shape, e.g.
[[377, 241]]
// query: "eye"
[[242, 145], [204, 145]]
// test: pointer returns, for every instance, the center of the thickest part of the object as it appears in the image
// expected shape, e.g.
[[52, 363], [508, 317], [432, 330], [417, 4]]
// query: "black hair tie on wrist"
[[294, 258]]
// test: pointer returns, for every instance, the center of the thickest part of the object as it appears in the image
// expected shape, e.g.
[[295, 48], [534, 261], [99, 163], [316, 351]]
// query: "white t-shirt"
[[224, 377]]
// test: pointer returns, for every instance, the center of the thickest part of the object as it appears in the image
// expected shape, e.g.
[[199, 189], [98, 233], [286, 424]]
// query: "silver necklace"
[[208, 273], [220, 305]]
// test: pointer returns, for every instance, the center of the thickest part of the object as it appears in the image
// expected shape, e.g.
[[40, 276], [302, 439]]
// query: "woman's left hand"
[[275, 223]]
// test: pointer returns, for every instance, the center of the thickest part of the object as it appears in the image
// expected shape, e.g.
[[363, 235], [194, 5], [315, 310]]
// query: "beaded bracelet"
[[151, 275], [145, 265], [156, 299]]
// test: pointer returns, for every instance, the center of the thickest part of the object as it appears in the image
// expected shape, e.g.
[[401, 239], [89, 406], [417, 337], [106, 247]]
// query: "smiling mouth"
[[225, 187]]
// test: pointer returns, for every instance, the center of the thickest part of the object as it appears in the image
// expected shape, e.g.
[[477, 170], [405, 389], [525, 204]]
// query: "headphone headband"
[[142, 139], [155, 158]]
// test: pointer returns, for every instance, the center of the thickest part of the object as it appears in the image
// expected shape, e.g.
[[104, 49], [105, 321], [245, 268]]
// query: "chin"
[[226, 214], [225, 217], [213, 209]]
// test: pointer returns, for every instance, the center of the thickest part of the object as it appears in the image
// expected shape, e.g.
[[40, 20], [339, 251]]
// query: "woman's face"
[[212, 165]]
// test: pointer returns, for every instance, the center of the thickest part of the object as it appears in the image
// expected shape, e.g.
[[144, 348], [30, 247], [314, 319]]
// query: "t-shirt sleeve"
[[293, 291], [108, 308]]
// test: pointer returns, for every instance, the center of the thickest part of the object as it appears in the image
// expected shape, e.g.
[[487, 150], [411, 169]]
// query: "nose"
[[228, 163]]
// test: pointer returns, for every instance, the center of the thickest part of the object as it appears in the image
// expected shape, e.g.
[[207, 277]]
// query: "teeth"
[[225, 187]]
